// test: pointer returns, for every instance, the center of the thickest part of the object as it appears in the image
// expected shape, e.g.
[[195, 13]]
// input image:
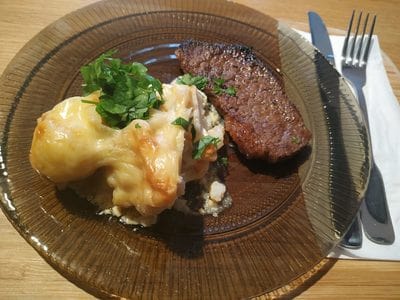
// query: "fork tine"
[[355, 38], [346, 40], [362, 39], [371, 32]]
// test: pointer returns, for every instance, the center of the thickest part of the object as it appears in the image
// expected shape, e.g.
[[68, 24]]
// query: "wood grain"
[[24, 274]]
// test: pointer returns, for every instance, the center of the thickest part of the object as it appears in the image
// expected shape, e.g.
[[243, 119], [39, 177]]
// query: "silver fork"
[[374, 211]]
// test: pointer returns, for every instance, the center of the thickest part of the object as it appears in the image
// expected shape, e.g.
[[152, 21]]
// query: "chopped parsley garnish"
[[181, 122], [199, 81], [220, 88], [295, 140], [89, 102], [218, 82], [223, 160], [127, 91], [231, 91], [137, 125], [202, 144]]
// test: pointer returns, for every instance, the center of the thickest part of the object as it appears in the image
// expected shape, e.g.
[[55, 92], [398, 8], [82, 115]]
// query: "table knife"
[[320, 39]]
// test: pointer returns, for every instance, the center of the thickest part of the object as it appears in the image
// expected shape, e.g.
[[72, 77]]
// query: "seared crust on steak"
[[259, 118]]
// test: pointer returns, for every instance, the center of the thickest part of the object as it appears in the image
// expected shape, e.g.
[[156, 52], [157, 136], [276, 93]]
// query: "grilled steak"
[[259, 118]]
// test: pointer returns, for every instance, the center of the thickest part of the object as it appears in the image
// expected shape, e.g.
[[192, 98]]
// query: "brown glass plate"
[[285, 218]]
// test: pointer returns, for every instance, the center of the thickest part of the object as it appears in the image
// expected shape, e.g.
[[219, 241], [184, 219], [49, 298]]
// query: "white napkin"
[[384, 121]]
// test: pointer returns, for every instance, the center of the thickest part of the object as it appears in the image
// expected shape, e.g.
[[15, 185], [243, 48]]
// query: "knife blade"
[[320, 39], [320, 36]]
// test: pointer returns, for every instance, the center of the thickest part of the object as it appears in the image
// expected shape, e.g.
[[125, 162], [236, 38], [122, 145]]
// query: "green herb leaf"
[[181, 122], [295, 140], [223, 160], [202, 144], [219, 87], [199, 81], [137, 125], [127, 91], [218, 90], [231, 91], [218, 82], [89, 102]]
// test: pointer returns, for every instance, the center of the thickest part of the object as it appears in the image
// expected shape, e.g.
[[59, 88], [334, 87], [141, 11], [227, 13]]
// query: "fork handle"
[[353, 237], [375, 214], [362, 103]]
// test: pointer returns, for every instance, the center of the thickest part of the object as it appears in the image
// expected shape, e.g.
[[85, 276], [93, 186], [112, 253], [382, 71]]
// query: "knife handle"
[[375, 212]]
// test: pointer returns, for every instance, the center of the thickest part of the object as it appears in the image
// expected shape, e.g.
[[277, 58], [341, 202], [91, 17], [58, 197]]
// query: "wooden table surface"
[[24, 274]]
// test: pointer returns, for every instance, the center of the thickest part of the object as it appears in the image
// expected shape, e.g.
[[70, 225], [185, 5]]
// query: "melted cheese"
[[138, 166]]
